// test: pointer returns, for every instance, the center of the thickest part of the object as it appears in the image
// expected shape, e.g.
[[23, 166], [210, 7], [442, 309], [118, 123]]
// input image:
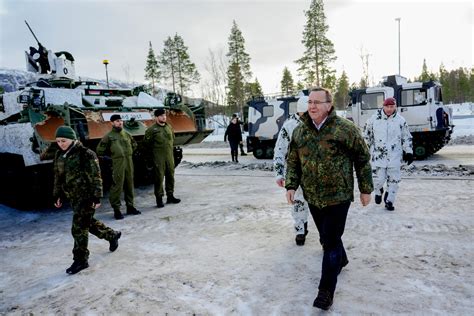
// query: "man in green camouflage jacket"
[[120, 145], [324, 151], [158, 145], [77, 178]]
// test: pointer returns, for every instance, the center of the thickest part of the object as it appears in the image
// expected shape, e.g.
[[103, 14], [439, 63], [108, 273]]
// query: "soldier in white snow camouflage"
[[390, 142], [299, 209]]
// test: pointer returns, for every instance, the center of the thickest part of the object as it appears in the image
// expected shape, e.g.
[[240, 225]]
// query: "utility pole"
[[399, 59], [106, 62]]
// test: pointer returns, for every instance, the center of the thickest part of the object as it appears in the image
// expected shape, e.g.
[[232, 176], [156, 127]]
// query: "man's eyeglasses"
[[317, 102]]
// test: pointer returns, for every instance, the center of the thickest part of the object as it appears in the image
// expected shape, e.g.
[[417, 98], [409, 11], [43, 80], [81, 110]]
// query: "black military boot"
[[306, 228], [300, 239], [77, 266], [118, 214], [378, 198], [172, 199], [159, 202], [389, 206], [242, 152], [323, 300], [131, 210], [114, 241], [233, 157]]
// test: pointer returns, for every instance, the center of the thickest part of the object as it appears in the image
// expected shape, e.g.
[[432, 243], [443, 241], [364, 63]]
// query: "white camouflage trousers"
[[390, 175], [299, 211]]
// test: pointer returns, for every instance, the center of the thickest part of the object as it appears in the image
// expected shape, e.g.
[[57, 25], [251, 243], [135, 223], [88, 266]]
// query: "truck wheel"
[[259, 152], [420, 152], [269, 153]]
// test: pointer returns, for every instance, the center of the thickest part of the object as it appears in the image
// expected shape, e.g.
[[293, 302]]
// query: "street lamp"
[[106, 62], [399, 62]]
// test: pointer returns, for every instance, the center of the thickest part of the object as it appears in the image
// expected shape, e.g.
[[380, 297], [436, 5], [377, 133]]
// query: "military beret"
[[159, 111], [115, 117], [65, 132], [390, 101]]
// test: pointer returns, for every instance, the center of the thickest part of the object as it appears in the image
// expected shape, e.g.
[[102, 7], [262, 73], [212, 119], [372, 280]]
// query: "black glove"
[[95, 200], [408, 158]]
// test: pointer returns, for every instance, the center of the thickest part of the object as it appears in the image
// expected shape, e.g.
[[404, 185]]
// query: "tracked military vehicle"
[[420, 103], [29, 118]]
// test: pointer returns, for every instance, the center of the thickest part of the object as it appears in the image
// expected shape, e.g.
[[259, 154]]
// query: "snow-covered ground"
[[228, 249]]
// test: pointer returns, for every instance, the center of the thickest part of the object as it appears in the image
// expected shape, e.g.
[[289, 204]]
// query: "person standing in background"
[[120, 145]]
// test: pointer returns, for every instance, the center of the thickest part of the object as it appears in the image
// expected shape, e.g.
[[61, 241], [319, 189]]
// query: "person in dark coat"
[[234, 134], [77, 178]]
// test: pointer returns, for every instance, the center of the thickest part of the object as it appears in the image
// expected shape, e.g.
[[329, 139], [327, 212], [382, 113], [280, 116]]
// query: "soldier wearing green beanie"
[[77, 178]]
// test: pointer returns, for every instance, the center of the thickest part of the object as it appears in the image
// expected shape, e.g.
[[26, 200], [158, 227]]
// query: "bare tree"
[[213, 88]]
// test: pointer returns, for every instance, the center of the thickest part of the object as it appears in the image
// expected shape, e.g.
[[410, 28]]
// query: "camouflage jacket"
[[77, 174], [158, 143], [322, 161], [117, 145], [282, 145], [387, 137]]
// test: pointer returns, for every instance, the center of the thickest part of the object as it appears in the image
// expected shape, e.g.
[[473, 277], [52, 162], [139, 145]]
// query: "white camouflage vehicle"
[[420, 103]]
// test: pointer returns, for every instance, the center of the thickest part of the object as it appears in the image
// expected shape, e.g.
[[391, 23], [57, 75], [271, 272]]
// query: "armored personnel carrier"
[[29, 118], [420, 103]]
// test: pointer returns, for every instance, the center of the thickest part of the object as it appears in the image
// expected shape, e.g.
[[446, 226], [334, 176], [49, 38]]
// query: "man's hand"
[[280, 182], [95, 205], [365, 199], [290, 196], [58, 203]]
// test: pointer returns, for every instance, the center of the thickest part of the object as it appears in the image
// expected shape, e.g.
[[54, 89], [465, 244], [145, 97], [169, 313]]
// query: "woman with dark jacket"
[[234, 133]]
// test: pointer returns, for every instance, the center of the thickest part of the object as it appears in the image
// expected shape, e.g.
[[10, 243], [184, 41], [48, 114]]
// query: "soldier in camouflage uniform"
[[299, 209], [324, 151], [77, 178], [390, 142], [120, 145], [158, 146]]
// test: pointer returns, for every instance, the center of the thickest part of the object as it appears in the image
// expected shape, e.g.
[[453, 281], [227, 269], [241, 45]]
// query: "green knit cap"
[[65, 132]]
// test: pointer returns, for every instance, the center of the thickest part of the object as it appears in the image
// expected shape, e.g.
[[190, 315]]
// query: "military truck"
[[420, 103], [29, 118], [266, 116]]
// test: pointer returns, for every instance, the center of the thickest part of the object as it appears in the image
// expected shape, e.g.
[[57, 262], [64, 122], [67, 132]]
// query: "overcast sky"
[[440, 31]]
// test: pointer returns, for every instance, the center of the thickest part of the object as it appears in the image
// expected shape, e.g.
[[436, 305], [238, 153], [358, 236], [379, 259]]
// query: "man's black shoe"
[[172, 199], [389, 206], [300, 239], [159, 202], [114, 241], [132, 211], [118, 214], [243, 154], [323, 300], [77, 266], [378, 199], [385, 197]]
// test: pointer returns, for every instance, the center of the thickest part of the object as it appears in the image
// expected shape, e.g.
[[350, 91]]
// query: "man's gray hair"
[[328, 93]]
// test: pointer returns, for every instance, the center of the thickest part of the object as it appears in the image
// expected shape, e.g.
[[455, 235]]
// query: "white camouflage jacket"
[[282, 144], [387, 137]]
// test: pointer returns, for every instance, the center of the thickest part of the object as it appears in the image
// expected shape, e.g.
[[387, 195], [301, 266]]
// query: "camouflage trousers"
[[390, 175], [299, 211], [83, 223]]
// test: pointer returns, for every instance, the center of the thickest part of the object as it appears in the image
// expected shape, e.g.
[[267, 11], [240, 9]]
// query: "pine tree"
[[176, 65], [299, 86], [152, 71], [253, 89], [238, 71], [425, 76], [287, 83], [236, 88], [341, 97], [319, 53]]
